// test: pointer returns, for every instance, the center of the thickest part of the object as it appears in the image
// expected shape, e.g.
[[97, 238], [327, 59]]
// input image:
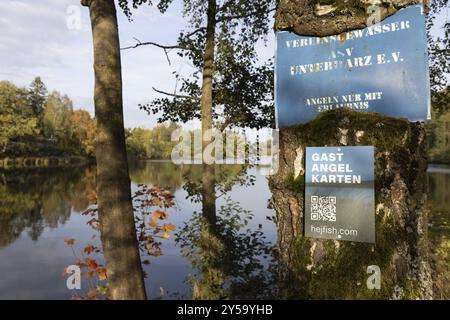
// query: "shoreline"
[[13, 163]]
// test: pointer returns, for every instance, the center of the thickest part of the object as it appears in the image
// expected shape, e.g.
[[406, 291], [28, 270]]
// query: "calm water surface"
[[39, 209]]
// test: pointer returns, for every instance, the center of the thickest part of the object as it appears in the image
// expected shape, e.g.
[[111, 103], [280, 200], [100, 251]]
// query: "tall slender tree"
[[37, 95], [125, 276]]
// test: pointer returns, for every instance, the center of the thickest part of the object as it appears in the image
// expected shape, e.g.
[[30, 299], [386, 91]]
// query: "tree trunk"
[[117, 226], [208, 175], [329, 269], [209, 283]]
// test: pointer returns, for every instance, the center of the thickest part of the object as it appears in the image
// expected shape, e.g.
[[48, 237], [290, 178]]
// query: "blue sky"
[[35, 40]]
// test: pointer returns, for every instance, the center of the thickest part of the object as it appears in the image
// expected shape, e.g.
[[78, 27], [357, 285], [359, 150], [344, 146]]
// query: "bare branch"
[[139, 43], [166, 48], [176, 95]]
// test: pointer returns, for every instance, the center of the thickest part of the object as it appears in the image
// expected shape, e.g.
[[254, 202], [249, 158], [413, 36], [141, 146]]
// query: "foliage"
[[36, 124], [439, 57], [152, 144], [83, 128], [242, 85], [150, 205], [57, 113], [226, 255], [224, 249], [31, 200], [16, 115], [439, 137]]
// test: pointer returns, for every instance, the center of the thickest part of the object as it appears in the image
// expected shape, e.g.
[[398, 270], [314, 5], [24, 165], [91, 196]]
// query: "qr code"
[[323, 208]]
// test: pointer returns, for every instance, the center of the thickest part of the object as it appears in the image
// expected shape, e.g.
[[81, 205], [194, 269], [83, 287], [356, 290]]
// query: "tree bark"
[[208, 176], [117, 226]]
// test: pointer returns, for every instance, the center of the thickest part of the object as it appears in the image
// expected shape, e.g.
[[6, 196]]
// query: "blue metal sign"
[[382, 68], [339, 193]]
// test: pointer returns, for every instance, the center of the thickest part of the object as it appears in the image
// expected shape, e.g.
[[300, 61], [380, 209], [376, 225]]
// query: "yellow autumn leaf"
[[153, 222], [165, 235]]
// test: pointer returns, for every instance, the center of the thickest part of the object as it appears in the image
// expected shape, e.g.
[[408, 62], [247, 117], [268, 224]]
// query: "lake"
[[40, 209]]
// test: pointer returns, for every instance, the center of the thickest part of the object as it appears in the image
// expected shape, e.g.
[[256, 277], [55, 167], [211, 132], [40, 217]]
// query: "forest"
[[42, 124]]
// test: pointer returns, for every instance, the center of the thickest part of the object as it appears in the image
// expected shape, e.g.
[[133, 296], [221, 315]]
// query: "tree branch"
[[190, 34], [166, 48], [225, 124], [86, 3], [176, 95], [228, 18]]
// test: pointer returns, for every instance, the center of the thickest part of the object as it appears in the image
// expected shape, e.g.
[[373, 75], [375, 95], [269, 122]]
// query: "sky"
[[42, 38]]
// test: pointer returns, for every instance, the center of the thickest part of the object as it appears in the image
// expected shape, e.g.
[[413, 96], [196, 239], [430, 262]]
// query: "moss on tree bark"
[[313, 268], [329, 17]]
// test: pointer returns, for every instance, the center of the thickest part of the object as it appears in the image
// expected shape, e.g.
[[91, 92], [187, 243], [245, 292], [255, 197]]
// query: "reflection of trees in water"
[[33, 200], [226, 254], [171, 176], [439, 184], [164, 174]]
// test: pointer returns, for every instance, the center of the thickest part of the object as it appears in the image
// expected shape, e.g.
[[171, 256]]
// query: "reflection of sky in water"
[[402, 83], [33, 269]]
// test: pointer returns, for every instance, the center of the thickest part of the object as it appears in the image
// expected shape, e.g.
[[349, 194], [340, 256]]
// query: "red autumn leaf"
[[168, 227], [89, 249], [160, 214], [92, 263], [85, 213], [92, 221], [168, 196]]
